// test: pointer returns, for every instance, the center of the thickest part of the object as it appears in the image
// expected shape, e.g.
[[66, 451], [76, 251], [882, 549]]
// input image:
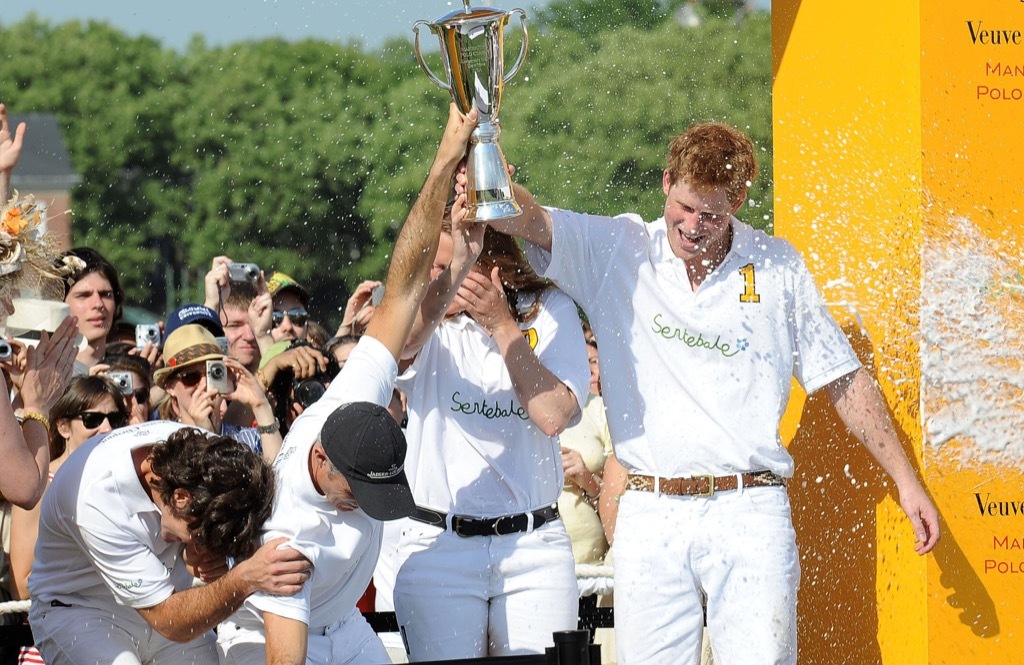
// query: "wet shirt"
[[695, 381], [342, 545], [473, 450], [99, 542]]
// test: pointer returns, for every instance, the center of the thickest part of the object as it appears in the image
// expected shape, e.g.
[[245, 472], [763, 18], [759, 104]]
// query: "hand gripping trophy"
[[472, 42]]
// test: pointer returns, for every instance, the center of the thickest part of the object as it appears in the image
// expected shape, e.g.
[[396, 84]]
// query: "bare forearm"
[[548, 402], [5, 186], [417, 242], [287, 640], [187, 614], [534, 225], [271, 441], [409, 271], [26, 454], [862, 409]]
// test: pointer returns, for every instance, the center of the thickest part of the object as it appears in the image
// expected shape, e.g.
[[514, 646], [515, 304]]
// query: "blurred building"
[[44, 169]]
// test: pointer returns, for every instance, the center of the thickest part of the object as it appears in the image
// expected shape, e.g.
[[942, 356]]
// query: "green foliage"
[[593, 16], [306, 156]]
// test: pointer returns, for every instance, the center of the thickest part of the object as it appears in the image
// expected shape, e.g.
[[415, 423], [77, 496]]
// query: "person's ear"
[[64, 428]]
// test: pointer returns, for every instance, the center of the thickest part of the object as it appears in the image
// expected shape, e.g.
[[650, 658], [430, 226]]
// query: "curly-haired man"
[[127, 524]]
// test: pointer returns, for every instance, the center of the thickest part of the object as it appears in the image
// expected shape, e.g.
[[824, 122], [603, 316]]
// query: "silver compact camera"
[[377, 295], [218, 377], [146, 334], [243, 272], [6, 352], [123, 381]]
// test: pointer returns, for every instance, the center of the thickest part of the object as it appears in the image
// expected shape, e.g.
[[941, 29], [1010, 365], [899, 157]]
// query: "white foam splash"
[[972, 344]]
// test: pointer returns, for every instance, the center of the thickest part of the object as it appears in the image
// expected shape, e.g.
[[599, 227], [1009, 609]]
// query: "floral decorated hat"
[[28, 257]]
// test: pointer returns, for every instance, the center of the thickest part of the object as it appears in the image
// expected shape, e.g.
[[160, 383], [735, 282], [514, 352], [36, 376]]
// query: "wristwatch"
[[269, 429]]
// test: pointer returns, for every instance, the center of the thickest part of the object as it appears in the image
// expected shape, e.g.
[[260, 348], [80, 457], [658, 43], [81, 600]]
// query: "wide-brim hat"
[[189, 345], [32, 316], [367, 446]]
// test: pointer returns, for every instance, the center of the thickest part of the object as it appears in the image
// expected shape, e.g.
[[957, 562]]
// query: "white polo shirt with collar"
[[99, 542], [695, 382], [473, 449], [342, 545]]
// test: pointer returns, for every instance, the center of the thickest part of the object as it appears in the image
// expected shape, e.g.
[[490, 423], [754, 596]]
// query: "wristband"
[[38, 417], [269, 429]]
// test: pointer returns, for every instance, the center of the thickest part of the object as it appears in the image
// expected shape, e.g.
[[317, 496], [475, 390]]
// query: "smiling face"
[[698, 223], [241, 340]]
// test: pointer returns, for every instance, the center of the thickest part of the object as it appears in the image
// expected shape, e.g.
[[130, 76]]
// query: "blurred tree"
[[592, 16], [305, 156]]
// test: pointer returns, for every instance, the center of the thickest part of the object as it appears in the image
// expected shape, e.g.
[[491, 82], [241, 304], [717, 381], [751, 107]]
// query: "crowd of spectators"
[[245, 364]]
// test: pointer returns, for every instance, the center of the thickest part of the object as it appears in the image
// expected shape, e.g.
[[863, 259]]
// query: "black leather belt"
[[493, 526]]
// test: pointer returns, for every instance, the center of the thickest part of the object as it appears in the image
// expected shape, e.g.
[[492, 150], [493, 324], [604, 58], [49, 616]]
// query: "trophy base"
[[494, 210]]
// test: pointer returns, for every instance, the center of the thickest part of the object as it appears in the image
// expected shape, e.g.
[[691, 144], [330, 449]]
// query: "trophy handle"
[[522, 50], [419, 57]]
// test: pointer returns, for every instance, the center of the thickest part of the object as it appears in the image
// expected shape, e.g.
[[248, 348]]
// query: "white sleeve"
[[368, 376], [129, 567], [294, 607], [583, 249], [823, 352], [560, 345]]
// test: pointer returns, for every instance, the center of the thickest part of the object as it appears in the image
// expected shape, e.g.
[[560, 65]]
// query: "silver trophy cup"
[[472, 41]]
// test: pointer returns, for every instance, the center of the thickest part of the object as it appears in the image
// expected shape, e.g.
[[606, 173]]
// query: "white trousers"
[[350, 641], [482, 596], [737, 550], [116, 636]]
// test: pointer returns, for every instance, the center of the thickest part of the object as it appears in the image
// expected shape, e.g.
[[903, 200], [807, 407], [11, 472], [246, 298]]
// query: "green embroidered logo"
[[491, 411], [697, 341]]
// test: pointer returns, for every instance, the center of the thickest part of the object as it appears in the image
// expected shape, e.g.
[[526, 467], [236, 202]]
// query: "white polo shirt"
[[99, 541], [473, 450], [342, 546], [695, 382]]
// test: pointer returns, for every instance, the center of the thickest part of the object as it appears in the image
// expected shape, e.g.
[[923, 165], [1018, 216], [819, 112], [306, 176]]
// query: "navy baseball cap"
[[194, 314], [367, 446]]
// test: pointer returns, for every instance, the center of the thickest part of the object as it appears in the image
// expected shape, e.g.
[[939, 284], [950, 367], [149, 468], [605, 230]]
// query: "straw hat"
[[188, 345]]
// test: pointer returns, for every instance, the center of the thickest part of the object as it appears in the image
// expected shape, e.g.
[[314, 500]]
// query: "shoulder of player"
[[764, 248]]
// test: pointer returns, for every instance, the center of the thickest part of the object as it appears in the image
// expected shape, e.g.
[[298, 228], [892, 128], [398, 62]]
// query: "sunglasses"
[[189, 379], [298, 317], [93, 419], [141, 395]]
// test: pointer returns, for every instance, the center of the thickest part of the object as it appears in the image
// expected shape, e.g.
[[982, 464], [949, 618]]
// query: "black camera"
[[307, 391]]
